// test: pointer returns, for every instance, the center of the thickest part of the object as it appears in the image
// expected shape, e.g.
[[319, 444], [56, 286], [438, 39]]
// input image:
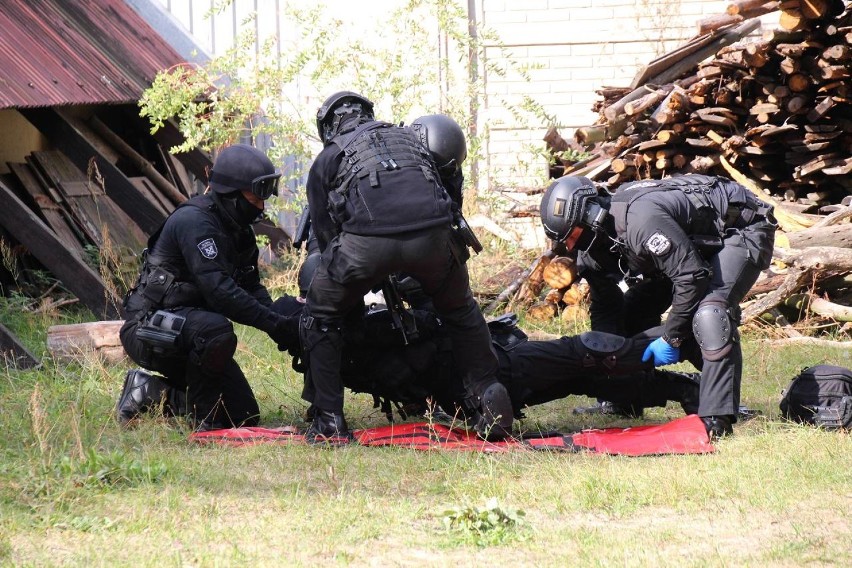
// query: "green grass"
[[75, 489]]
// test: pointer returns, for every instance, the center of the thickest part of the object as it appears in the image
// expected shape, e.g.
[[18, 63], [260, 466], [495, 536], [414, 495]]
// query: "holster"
[[160, 331]]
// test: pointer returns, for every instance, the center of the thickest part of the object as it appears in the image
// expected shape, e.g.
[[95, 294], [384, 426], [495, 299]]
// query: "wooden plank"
[[95, 211], [23, 224], [81, 150], [56, 217], [15, 353], [145, 186]]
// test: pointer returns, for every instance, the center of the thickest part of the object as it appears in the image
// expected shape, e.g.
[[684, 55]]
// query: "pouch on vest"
[[820, 395], [158, 282]]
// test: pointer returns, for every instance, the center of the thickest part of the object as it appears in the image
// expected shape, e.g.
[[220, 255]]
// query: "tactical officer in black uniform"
[[709, 235], [377, 207], [200, 274], [621, 304]]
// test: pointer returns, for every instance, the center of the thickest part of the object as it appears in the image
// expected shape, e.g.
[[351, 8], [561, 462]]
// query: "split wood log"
[[542, 311], [835, 218], [504, 296], [73, 342], [554, 296], [577, 294], [560, 272]]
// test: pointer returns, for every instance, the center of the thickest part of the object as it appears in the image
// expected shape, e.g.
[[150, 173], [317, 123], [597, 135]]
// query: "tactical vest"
[[159, 287], [387, 183], [707, 220]]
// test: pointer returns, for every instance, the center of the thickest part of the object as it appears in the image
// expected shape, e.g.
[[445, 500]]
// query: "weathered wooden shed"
[[79, 169]]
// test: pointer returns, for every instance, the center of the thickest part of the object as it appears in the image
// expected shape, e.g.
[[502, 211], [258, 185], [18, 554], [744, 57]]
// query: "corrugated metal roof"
[[60, 52]]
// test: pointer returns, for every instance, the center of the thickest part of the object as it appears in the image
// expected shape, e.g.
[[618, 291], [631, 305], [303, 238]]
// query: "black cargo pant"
[[202, 365], [352, 265], [747, 251], [536, 372]]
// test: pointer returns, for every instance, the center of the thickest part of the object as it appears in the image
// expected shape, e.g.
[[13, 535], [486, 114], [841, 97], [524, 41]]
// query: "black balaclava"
[[238, 208]]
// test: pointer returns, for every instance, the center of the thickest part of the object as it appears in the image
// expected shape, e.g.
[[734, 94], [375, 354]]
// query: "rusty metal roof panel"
[[61, 52]]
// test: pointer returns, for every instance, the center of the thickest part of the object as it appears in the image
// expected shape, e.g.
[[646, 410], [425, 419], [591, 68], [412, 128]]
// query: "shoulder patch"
[[208, 248], [658, 244]]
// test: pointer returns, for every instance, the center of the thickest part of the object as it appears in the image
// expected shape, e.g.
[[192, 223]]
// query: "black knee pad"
[[714, 329]]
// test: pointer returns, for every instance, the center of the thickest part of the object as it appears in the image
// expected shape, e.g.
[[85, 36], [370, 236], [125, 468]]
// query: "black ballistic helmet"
[[445, 140], [571, 213], [240, 167], [336, 107]]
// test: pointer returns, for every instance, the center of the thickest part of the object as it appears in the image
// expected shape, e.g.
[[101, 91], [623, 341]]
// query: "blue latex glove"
[[662, 352]]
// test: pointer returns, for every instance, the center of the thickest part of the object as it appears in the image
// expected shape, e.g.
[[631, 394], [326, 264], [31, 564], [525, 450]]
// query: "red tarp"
[[682, 436]]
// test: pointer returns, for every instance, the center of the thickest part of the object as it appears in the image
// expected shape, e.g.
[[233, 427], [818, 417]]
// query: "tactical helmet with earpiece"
[[337, 108], [445, 140], [572, 212]]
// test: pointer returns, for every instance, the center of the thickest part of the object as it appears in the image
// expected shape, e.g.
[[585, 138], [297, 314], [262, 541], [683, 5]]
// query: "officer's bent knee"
[[713, 328]]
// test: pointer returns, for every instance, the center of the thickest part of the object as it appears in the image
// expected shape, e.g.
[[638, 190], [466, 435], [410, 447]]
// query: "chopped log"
[[612, 112], [829, 309], [76, 342], [647, 101], [819, 236], [740, 6], [504, 296], [578, 293], [560, 272], [712, 23], [573, 314], [542, 311], [554, 296]]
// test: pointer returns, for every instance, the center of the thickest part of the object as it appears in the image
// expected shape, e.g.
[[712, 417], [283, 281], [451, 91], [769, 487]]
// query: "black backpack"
[[820, 395]]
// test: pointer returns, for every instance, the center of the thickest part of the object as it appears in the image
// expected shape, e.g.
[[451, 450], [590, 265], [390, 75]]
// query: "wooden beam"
[[43, 243], [14, 352], [80, 149]]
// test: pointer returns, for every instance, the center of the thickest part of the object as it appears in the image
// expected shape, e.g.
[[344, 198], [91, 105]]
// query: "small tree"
[[257, 87]]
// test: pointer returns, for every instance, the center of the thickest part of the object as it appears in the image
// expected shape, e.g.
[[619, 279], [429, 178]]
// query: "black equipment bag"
[[820, 395]]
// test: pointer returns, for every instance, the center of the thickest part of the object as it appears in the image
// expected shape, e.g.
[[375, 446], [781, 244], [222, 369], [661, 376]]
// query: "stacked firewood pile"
[[771, 112]]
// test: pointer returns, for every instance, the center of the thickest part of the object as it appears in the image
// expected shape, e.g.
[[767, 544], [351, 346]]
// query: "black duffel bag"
[[820, 395]]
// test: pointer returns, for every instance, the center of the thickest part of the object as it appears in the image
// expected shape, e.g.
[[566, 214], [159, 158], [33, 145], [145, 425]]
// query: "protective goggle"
[[582, 235], [265, 186]]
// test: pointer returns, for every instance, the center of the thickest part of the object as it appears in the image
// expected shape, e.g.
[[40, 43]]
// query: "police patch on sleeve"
[[658, 244], [208, 248]]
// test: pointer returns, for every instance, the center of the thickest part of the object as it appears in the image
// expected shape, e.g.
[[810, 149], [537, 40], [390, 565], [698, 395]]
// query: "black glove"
[[286, 333]]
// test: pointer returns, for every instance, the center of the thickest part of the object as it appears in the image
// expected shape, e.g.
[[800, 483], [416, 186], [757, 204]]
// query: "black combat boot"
[[141, 392], [495, 414], [681, 387], [328, 428], [717, 426]]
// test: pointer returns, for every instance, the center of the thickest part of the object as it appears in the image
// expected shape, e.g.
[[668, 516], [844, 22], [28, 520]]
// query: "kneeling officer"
[[200, 275]]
